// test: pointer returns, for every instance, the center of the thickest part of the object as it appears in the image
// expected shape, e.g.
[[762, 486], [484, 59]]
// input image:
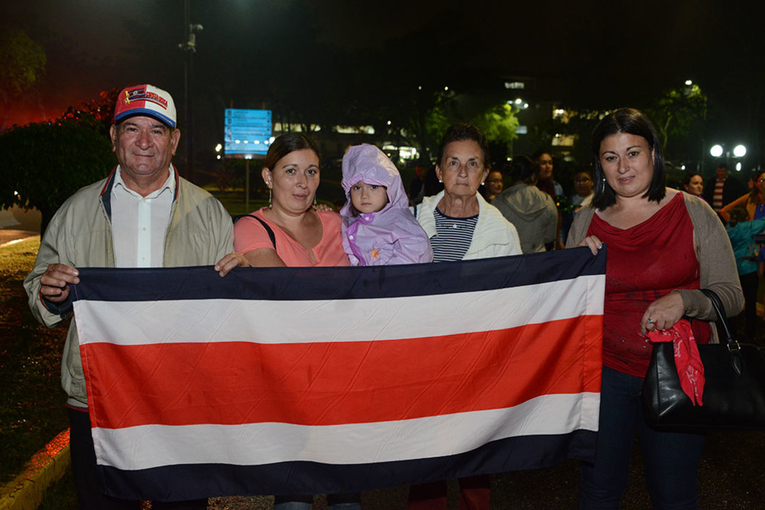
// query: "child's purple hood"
[[369, 164]]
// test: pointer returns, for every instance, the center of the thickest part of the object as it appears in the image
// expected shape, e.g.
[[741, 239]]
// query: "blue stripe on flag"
[[172, 483], [328, 283]]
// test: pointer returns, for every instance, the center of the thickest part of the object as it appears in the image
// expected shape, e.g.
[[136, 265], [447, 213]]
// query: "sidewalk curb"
[[25, 492]]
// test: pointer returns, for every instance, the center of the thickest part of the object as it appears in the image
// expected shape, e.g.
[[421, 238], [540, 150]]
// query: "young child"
[[378, 228]]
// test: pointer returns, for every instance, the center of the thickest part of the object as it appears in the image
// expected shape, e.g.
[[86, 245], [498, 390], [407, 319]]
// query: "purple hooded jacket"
[[391, 235]]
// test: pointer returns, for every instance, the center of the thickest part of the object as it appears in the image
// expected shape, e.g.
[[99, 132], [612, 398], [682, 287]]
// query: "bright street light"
[[716, 151], [739, 151]]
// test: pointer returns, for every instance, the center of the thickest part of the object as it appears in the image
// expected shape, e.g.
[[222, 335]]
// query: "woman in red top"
[[663, 245]]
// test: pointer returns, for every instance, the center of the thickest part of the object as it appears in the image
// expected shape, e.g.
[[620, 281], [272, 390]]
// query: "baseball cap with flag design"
[[145, 100]]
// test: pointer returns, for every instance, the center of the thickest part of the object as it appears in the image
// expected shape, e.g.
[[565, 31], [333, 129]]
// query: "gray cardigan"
[[717, 263]]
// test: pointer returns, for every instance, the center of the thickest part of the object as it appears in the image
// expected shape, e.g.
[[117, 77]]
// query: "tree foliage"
[[678, 113], [498, 124], [42, 164], [22, 62]]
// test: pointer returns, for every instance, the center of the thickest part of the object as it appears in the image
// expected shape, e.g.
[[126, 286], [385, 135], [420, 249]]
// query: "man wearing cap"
[[142, 215]]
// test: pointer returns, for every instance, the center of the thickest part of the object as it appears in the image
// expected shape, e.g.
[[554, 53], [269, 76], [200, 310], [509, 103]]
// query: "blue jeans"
[[671, 460]]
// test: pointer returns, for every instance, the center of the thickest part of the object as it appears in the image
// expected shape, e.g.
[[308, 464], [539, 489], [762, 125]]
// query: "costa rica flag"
[[337, 380]]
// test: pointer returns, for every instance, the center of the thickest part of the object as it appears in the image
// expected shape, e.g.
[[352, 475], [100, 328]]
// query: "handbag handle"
[[733, 346]]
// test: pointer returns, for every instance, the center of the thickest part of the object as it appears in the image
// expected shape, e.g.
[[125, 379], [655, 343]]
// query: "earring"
[[482, 183], [439, 180], [315, 203], [269, 197]]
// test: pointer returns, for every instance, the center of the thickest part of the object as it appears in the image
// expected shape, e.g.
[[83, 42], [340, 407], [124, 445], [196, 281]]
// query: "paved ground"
[[10, 235], [731, 477]]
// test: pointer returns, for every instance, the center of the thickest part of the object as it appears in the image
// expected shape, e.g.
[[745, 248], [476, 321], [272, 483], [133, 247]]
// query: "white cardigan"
[[494, 236]]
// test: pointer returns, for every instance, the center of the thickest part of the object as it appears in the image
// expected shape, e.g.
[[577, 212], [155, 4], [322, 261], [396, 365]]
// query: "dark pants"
[[474, 494], [749, 284], [671, 460], [86, 478]]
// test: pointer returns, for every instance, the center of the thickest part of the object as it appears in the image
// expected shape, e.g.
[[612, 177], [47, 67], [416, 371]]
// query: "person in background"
[[493, 186], [583, 184], [741, 232], [378, 228], [546, 183], [753, 202], [723, 189], [530, 210], [584, 188], [144, 214], [545, 180], [461, 225], [693, 184], [663, 246], [417, 184]]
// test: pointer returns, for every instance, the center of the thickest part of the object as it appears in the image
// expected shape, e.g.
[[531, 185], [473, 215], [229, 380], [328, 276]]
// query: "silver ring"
[[651, 321]]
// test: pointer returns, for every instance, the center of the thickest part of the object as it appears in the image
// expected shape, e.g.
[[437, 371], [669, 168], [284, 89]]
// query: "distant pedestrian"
[[493, 185], [741, 232], [693, 184], [546, 183], [531, 210], [723, 189]]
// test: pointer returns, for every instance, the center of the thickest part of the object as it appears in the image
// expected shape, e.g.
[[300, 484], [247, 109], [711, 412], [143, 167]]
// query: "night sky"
[[308, 56]]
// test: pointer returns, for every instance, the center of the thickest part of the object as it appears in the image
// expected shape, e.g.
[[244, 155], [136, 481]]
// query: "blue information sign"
[[247, 132]]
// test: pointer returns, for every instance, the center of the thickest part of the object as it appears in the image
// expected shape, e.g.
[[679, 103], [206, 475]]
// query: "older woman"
[[290, 232], [663, 246], [461, 225]]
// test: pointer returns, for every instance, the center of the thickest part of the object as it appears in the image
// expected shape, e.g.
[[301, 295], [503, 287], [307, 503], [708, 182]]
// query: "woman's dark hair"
[[523, 169], [460, 132], [633, 122], [687, 179], [538, 154], [287, 143]]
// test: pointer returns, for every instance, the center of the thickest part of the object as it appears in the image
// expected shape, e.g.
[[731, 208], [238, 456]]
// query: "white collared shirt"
[[139, 223]]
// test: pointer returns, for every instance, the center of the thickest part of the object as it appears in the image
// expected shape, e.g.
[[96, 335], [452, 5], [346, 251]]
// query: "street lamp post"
[[189, 47], [739, 151]]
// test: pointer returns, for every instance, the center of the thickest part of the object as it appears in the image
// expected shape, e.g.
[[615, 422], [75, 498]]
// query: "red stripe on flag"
[[346, 382]]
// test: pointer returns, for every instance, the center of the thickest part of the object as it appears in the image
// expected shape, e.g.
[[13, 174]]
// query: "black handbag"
[[734, 391]]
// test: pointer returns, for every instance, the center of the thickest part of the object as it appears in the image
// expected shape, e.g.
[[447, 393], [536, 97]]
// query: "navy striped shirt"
[[453, 237]]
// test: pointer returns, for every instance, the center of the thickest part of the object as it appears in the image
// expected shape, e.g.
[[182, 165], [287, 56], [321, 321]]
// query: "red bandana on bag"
[[687, 358]]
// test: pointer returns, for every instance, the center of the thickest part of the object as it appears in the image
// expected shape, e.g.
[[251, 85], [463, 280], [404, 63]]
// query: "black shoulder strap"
[[265, 225]]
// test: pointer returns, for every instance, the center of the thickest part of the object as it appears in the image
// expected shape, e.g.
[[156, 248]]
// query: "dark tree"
[[41, 165]]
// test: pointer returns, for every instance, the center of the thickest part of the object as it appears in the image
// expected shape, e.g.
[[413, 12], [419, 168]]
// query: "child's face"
[[368, 198]]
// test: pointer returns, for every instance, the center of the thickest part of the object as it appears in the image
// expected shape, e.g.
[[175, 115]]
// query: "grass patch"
[[31, 399]]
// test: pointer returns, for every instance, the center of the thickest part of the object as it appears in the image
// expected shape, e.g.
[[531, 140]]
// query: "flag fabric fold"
[[337, 380]]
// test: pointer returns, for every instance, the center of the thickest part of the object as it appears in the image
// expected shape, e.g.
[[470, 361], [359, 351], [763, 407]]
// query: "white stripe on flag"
[[347, 320], [150, 446]]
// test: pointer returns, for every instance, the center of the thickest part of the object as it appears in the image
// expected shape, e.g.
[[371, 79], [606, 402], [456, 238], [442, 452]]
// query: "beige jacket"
[[716, 260], [79, 235]]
